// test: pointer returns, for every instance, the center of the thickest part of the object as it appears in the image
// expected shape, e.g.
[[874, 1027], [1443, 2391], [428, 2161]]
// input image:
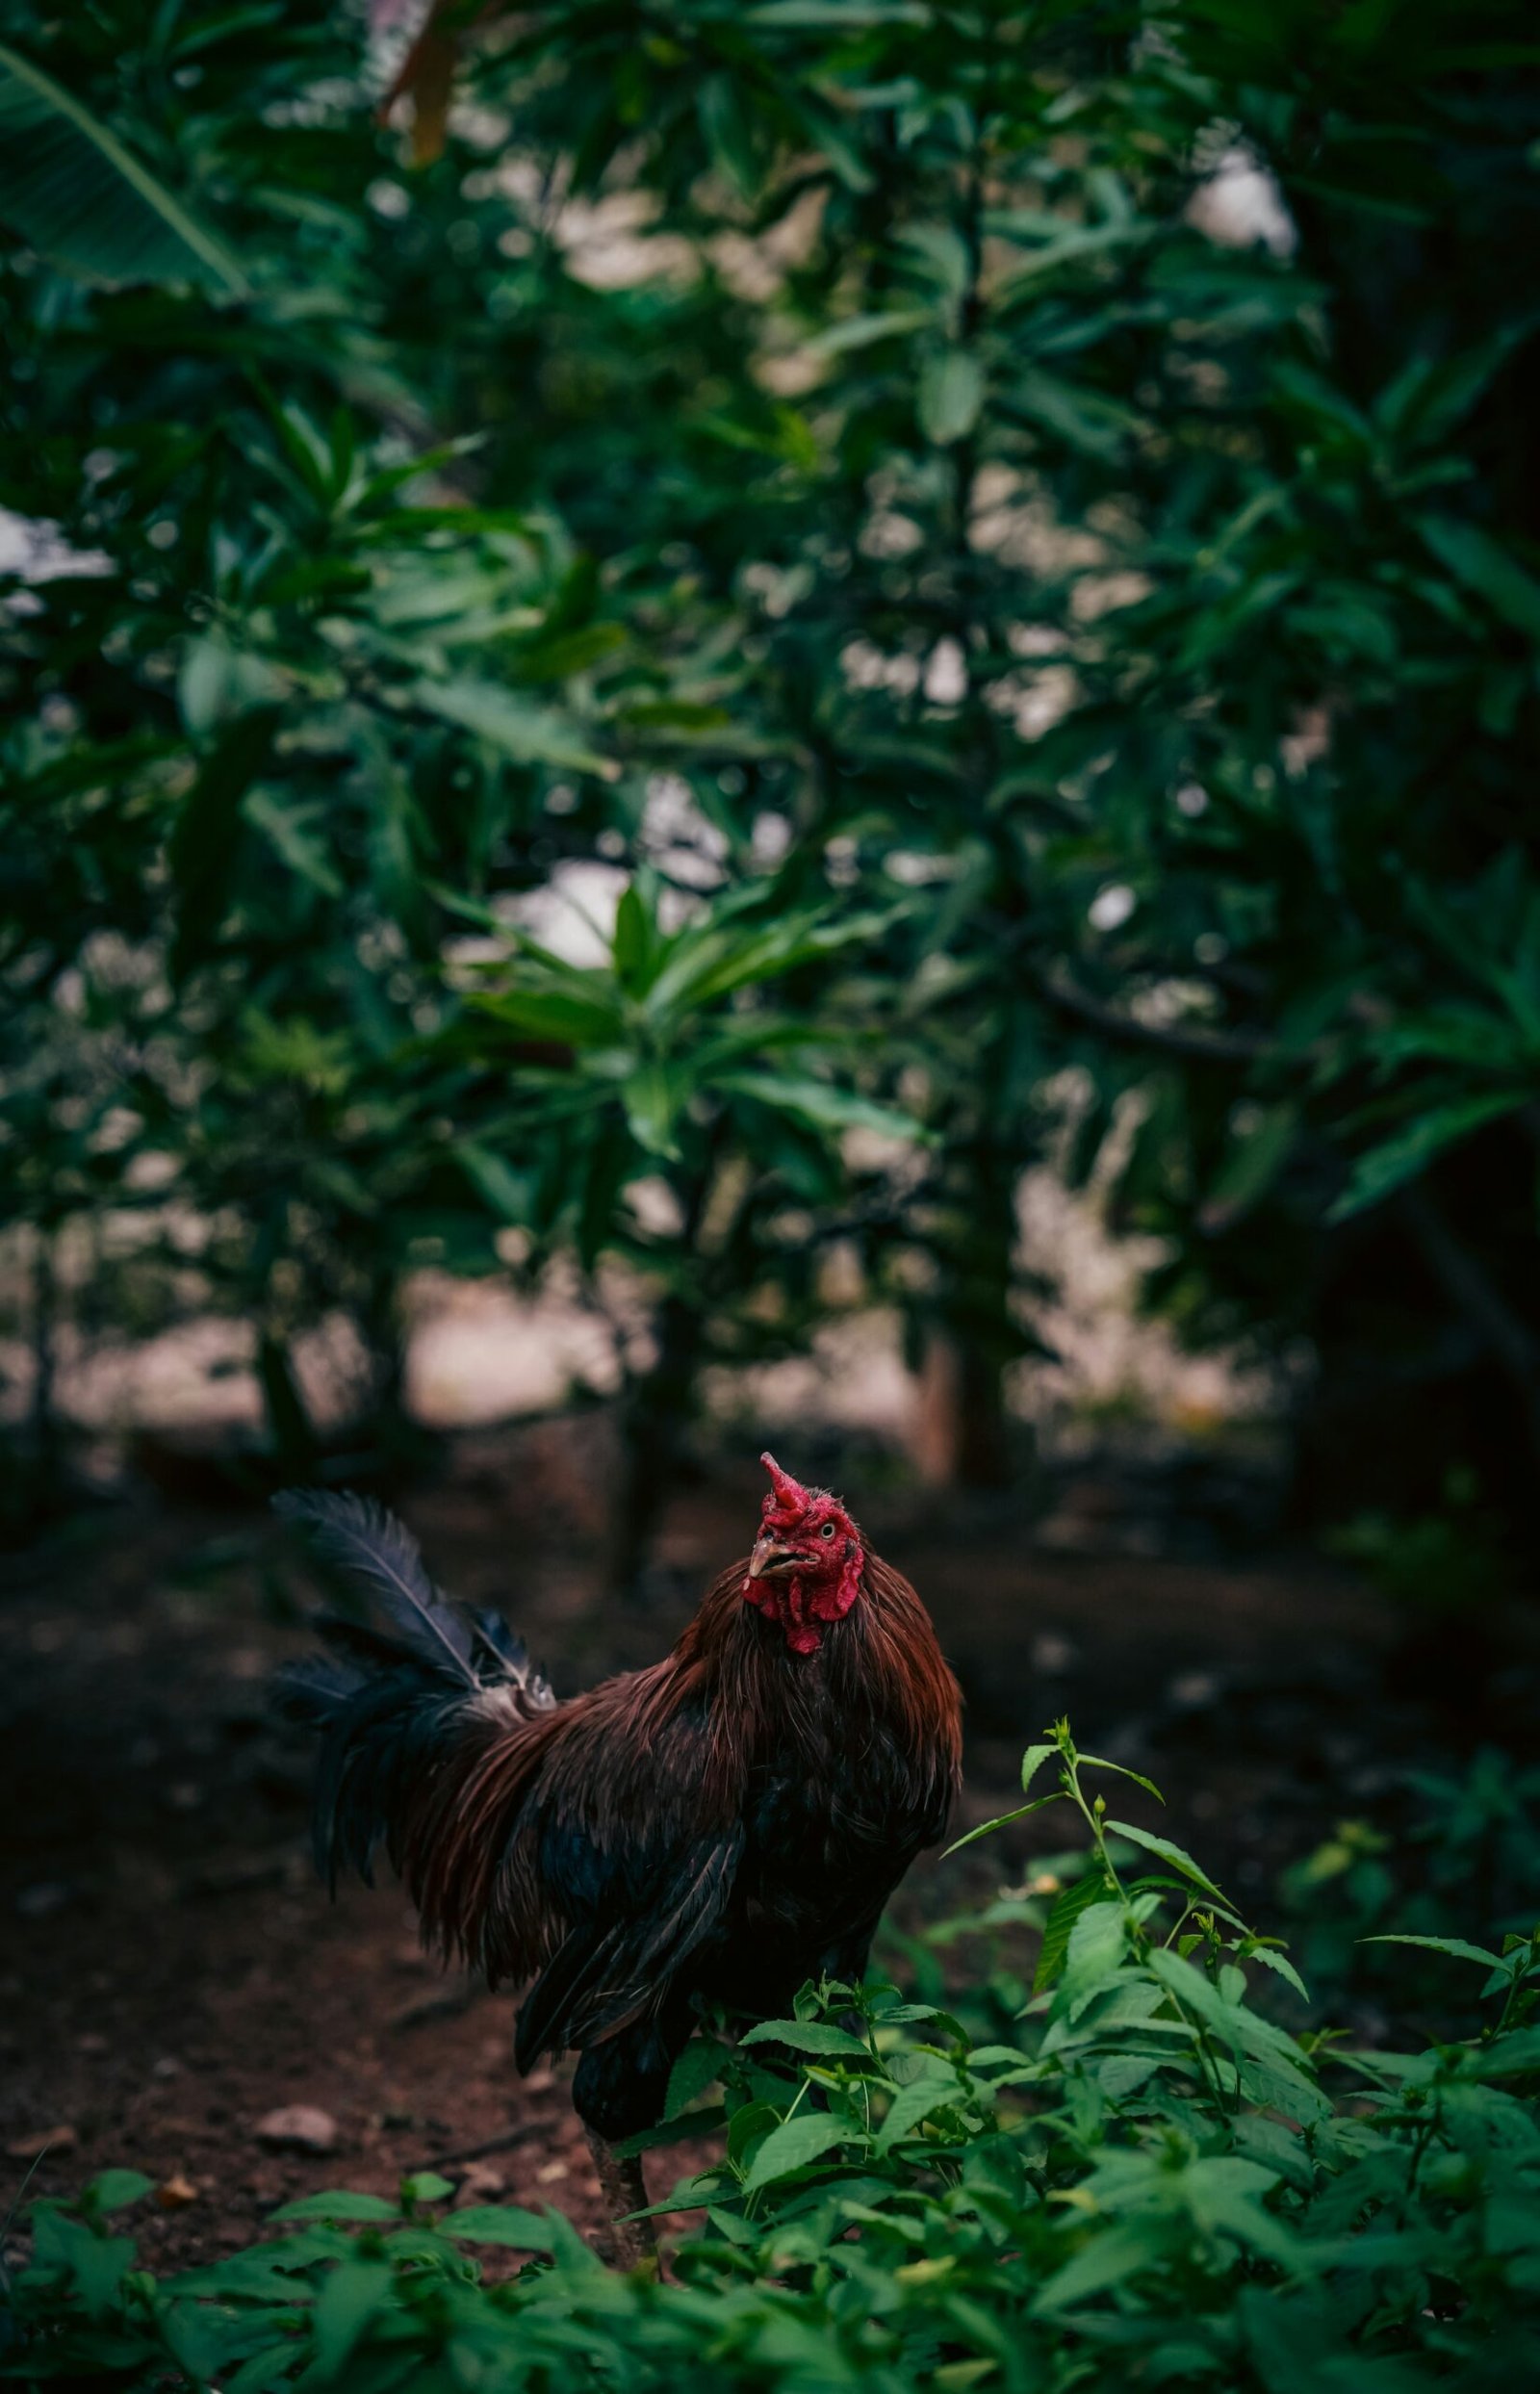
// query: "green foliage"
[[1446, 1562], [1145, 2180], [82, 200], [1468, 1840], [309, 714]]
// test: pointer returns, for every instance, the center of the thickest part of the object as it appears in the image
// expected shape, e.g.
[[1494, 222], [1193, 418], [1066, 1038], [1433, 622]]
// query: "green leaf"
[[1032, 1763], [633, 939], [699, 2067], [1163, 1846], [502, 2224], [1279, 1963], [652, 1098], [516, 728], [1456, 1946], [1099, 1941], [1398, 1160], [837, 16], [113, 2190], [859, 332], [821, 1104], [1100, 1763], [573, 1019], [793, 2145], [503, 1190], [807, 2036], [287, 829], [709, 963], [1083, 418], [216, 682], [1473, 557], [1255, 1159], [1112, 2254], [348, 2300], [951, 396], [339, 2204], [938, 2091], [1068, 1904], [1003, 1820], [83, 202]]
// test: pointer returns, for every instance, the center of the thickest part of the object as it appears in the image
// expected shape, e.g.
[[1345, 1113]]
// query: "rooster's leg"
[[623, 2189]]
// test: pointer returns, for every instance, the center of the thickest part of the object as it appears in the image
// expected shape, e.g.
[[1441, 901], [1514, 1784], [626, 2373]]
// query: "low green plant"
[[1149, 2182], [1444, 1561], [1465, 1852]]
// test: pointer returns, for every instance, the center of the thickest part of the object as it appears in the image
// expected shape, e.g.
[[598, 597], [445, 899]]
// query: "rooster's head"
[[806, 1567]]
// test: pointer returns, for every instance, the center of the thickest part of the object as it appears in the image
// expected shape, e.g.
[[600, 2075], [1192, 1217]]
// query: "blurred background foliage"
[[984, 543]]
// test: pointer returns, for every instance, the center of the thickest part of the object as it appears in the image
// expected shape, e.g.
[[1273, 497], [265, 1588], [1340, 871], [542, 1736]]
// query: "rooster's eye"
[[827, 1529]]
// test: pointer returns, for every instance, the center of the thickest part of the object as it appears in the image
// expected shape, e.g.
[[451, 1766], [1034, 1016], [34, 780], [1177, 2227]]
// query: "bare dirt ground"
[[171, 1974]]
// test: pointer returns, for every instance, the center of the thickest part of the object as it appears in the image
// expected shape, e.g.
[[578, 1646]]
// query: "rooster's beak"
[[768, 1556]]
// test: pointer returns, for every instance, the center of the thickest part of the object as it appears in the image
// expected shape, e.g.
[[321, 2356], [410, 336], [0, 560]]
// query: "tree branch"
[[1172, 1038]]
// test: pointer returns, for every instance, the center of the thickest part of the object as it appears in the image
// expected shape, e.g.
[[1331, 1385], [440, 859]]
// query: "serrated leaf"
[[793, 2145], [911, 2105], [1166, 1851], [699, 2067], [1456, 1946], [1100, 1763], [1068, 1905], [807, 2036], [1003, 1820], [1280, 1964], [1032, 1762]]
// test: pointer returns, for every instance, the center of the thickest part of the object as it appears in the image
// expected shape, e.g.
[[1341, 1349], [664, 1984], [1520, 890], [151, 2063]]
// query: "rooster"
[[717, 1828]]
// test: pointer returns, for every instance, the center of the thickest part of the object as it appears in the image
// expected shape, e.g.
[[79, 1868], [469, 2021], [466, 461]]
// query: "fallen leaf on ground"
[[42, 2139]]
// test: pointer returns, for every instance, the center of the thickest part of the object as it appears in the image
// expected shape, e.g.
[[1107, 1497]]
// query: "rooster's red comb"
[[788, 1492]]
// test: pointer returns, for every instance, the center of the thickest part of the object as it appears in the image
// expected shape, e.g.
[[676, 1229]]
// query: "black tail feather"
[[394, 1693], [313, 1691], [359, 1536]]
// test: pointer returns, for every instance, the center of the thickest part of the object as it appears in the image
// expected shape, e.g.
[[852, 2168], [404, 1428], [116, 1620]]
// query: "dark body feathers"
[[722, 1825]]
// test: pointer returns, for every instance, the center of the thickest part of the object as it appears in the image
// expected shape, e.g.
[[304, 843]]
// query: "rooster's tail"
[[409, 1696]]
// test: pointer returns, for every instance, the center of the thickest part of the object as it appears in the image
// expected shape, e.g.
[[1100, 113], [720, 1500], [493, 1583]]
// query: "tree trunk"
[[657, 1419], [981, 1322]]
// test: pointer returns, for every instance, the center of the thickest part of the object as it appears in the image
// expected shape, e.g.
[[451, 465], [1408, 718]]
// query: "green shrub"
[[1150, 2183]]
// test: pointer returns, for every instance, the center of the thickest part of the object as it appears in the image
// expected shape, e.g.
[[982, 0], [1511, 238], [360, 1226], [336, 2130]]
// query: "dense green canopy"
[[1012, 534]]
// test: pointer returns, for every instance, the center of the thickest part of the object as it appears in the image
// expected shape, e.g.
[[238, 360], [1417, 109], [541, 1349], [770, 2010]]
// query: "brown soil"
[[171, 1972]]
